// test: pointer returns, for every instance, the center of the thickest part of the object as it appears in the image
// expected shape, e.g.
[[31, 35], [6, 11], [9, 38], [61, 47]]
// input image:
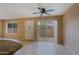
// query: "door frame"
[[56, 36], [60, 27]]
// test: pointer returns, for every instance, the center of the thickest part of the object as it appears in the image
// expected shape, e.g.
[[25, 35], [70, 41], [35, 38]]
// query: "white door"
[[29, 30]]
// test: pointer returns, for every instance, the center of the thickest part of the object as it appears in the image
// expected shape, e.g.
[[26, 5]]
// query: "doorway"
[[47, 30]]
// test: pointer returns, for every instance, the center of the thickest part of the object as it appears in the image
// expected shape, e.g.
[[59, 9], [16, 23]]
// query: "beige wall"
[[71, 29], [20, 31], [21, 27], [1, 28], [8, 35]]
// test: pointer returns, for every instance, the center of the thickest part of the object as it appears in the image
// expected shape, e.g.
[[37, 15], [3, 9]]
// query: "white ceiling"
[[18, 10]]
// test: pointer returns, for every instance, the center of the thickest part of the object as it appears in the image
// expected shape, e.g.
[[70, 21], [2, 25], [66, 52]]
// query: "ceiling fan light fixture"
[[43, 11]]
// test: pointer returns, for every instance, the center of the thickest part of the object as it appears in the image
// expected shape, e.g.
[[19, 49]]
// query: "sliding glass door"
[[46, 30]]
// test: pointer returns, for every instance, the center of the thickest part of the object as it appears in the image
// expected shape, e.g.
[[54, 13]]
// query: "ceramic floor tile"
[[43, 48]]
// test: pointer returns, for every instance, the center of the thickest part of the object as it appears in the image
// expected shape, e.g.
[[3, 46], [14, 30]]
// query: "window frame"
[[7, 27]]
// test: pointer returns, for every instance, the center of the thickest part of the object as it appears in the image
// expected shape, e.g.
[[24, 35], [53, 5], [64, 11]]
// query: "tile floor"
[[42, 48]]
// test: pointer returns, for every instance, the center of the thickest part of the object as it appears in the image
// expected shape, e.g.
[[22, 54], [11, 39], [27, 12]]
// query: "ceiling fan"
[[43, 11]]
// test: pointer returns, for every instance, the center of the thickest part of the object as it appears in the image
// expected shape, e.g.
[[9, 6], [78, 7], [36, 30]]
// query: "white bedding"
[[10, 39]]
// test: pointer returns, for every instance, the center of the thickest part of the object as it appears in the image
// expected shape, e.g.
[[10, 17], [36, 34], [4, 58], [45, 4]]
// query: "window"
[[12, 28]]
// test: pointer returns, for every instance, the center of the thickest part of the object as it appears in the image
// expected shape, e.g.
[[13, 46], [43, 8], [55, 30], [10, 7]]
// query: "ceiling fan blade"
[[41, 14], [47, 13], [36, 12], [49, 10]]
